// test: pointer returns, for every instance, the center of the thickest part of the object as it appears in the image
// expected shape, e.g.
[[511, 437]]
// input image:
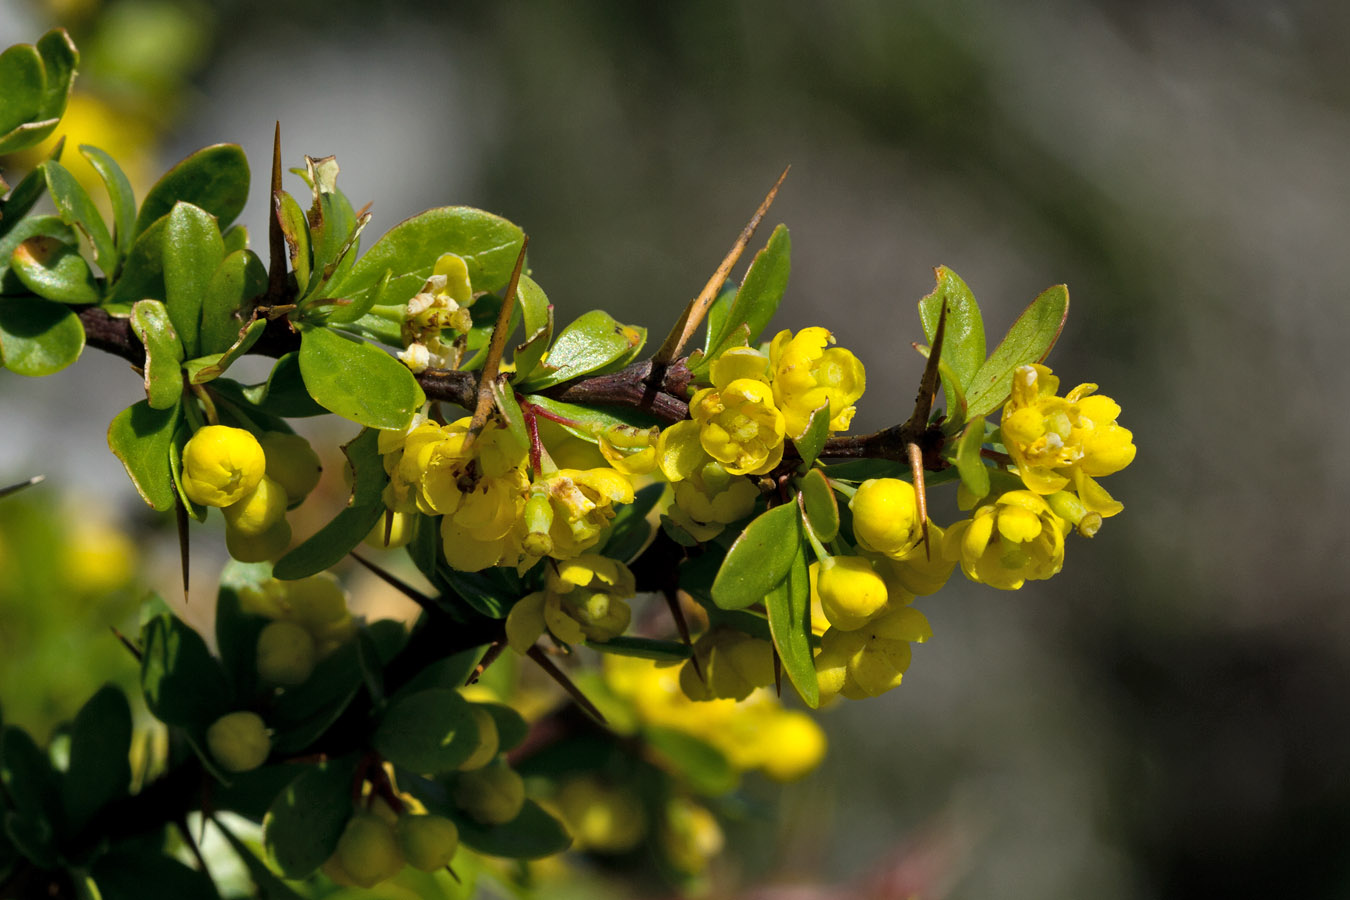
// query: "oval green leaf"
[[184, 685], [595, 340], [1028, 341], [141, 437], [214, 179], [357, 380], [963, 345], [760, 293], [77, 209], [537, 314], [163, 353], [819, 505], [34, 226], [38, 337], [302, 826], [789, 609], [193, 251], [429, 732], [238, 279], [974, 473], [759, 559], [99, 770], [533, 834], [54, 270], [120, 194]]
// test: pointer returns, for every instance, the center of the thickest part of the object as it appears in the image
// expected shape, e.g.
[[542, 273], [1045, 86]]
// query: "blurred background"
[[1166, 718]]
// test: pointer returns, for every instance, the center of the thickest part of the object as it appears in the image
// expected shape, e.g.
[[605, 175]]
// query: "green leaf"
[[587, 422], [819, 505], [537, 314], [702, 765], [163, 353], [336, 539], [357, 380], [483, 590], [302, 827], [590, 343], [1028, 341], [55, 270], [629, 530], [33, 838], [236, 630], [134, 874], [25, 79], [183, 683], [269, 886], [35, 226], [488, 244], [284, 394], [235, 238], [140, 437], [862, 469], [59, 59], [295, 228], [214, 179], [507, 405], [716, 318], [16, 206], [100, 767], [643, 648], [759, 559], [76, 209], [813, 439], [333, 224], [142, 275], [533, 834], [238, 279], [120, 194], [209, 368], [193, 250], [760, 293], [789, 609], [38, 337], [974, 473], [429, 732], [29, 782], [963, 340], [302, 713], [182, 433]]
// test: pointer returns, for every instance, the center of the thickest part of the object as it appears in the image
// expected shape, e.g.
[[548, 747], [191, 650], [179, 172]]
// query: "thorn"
[[127, 642], [498, 346], [928, 384], [537, 654], [682, 626], [494, 650], [915, 454], [276, 240], [693, 314], [181, 518], [36, 479], [398, 584]]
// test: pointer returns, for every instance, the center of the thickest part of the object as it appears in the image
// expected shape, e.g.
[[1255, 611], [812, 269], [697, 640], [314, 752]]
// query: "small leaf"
[[590, 343], [302, 827], [1028, 341], [238, 279], [214, 179], [76, 209], [303, 713], [357, 380], [789, 609], [236, 630], [533, 834], [163, 353], [819, 505], [284, 394], [759, 559], [760, 293], [24, 77], [120, 195], [235, 238], [100, 745], [537, 314], [15, 207], [340, 536], [429, 732], [812, 439], [963, 340], [34, 226], [507, 405], [141, 437], [717, 316], [193, 250], [694, 760], [38, 337], [209, 368], [512, 729], [587, 422], [295, 228], [643, 648], [974, 473], [59, 59], [142, 276], [30, 786], [55, 270], [269, 886], [488, 244], [183, 683]]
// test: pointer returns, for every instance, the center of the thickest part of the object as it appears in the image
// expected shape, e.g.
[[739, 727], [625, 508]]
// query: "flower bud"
[[258, 510], [238, 741], [291, 463], [850, 590], [489, 741], [221, 465], [266, 546], [885, 516], [368, 851], [286, 654], [492, 795], [428, 842], [601, 818]]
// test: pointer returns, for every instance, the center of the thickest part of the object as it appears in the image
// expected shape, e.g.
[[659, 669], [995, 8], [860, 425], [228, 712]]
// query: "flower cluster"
[[253, 481], [442, 305]]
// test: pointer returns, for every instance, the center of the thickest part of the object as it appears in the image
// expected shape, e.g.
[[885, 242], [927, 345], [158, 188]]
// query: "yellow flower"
[[806, 376], [918, 573], [886, 517], [871, 660], [292, 463], [584, 599], [1015, 538], [443, 303], [739, 425], [1056, 441], [733, 665], [221, 465], [581, 505], [848, 589], [630, 450], [258, 510]]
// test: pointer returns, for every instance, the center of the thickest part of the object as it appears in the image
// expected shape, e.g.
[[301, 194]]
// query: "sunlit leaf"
[[759, 559], [1028, 341]]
